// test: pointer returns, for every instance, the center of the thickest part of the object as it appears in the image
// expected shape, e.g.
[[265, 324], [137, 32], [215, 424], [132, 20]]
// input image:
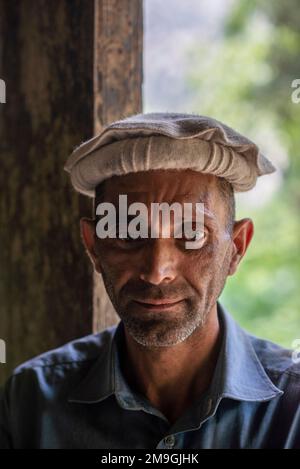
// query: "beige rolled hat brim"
[[167, 141]]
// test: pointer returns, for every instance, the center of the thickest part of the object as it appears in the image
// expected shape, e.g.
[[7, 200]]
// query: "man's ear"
[[87, 231], [242, 234]]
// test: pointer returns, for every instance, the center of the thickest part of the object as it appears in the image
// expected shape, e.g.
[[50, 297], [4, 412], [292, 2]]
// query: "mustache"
[[140, 290]]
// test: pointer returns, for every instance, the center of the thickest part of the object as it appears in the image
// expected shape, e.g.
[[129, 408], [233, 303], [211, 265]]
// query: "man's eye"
[[192, 235], [126, 235], [195, 234], [126, 240], [191, 231]]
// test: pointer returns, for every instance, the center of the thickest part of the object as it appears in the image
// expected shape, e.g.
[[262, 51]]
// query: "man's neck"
[[171, 378]]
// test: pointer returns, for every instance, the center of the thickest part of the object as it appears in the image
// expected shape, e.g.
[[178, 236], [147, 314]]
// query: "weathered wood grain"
[[118, 92], [70, 67], [47, 63]]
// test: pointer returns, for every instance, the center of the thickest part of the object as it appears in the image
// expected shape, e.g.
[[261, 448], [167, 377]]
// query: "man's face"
[[160, 289]]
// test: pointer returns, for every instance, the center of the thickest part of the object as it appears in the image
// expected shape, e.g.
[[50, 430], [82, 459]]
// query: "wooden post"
[[69, 68], [118, 92]]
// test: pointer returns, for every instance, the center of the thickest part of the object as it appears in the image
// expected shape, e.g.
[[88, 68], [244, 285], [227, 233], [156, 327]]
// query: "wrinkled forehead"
[[165, 186], [162, 186]]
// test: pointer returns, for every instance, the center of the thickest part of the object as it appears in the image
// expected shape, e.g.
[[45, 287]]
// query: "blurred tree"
[[244, 79]]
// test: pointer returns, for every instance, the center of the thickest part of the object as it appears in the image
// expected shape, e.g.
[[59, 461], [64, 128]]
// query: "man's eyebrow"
[[209, 214], [202, 199]]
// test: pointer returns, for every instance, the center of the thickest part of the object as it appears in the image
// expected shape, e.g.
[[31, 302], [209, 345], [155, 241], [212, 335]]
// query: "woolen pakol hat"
[[167, 141]]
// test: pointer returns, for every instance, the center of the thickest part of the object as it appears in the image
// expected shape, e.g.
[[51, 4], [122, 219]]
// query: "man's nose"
[[160, 262]]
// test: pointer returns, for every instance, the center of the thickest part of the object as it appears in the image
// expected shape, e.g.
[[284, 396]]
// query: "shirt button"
[[169, 441]]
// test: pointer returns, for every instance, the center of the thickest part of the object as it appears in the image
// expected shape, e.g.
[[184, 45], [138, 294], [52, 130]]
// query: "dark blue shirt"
[[77, 397]]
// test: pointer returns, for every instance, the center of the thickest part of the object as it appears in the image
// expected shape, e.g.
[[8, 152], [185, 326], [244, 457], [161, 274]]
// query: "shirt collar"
[[238, 375]]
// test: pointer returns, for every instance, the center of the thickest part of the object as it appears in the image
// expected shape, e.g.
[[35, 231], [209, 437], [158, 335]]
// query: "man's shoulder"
[[280, 363], [73, 354]]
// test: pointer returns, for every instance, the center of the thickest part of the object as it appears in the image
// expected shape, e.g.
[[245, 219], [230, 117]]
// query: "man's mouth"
[[158, 304]]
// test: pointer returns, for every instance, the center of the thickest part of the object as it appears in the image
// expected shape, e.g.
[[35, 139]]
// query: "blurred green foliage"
[[244, 79]]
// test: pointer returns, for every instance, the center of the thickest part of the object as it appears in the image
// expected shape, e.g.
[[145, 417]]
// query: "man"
[[177, 371]]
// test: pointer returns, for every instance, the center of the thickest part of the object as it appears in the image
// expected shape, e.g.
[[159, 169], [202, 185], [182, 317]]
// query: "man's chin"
[[160, 329]]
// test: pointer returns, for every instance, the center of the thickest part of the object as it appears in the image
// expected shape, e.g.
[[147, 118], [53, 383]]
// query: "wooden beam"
[[118, 92], [69, 67]]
